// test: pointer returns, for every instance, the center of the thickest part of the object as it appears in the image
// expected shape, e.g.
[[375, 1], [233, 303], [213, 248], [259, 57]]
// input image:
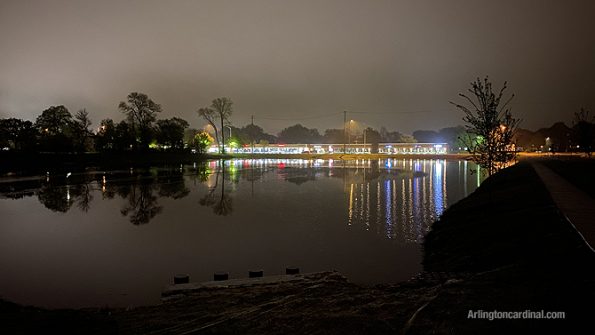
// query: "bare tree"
[[490, 125], [210, 116], [223, 109]]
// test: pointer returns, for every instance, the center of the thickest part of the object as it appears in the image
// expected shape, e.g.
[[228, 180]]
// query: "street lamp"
[[349, 132], [230, 146]]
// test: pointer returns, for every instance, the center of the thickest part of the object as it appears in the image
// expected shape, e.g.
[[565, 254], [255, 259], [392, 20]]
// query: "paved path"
[[576, 205]]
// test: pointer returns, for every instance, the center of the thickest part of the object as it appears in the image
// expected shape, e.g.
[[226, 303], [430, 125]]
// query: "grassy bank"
[[504, 248], [512, 250], [578, 171]]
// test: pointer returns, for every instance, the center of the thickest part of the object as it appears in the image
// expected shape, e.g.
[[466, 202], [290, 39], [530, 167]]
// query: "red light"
[[281, 165]]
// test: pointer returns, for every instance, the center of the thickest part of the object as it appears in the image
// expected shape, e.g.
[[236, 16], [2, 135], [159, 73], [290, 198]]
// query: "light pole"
[[230, 148], [349, 132], [344, 131]]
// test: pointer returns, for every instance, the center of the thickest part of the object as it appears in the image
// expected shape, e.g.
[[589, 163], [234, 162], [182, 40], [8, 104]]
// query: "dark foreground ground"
[[506, 248]]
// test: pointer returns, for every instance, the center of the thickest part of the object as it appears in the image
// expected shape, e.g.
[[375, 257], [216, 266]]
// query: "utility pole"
[[252, 150], [344, 131]]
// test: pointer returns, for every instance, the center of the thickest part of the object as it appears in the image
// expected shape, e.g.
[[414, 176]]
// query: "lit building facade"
[[382, 148]]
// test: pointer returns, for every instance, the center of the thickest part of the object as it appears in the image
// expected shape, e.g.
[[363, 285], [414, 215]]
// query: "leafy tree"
[[299, 134], [55, 129], [373, 137], [584, 129], [17, 134], [54, 120], [252, 133], [493, 125], [202, 141], [141, 112], [170, 132]]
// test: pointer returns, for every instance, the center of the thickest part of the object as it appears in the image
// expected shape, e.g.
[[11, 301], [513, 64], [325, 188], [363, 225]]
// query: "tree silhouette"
[[55, 197], [81, 131], [584, 129], [222, 205], [142, 203], [172, 185], [170, 132], [299, 134], [209, 115], [141, 112], [223, 108], [55, 129], [17, 134]]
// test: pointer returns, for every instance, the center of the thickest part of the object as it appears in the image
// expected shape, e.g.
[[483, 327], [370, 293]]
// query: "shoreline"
[[23, 161], [10, 162], [505, 247]]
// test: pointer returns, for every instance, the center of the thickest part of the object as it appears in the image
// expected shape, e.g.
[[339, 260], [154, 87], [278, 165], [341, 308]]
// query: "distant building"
[[383, 148]]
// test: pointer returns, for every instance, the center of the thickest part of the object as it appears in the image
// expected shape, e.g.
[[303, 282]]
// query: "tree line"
[[56, 129]]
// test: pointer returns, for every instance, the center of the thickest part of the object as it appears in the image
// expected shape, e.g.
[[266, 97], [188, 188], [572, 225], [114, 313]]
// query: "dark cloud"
[[297, 59]]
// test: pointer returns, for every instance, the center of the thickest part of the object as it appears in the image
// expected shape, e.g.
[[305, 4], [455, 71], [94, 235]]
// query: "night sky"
[[298, 61]]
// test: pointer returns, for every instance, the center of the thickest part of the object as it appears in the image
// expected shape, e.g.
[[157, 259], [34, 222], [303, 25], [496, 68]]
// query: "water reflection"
[[398, 199], [140, 189], [394, 200], [364, 218], [222, 203], [142, 202]]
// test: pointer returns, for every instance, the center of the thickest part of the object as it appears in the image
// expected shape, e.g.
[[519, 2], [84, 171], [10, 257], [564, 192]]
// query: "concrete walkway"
[[576, 205]]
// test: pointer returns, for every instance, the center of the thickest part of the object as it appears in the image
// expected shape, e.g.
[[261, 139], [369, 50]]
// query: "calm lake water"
[[116, 238]]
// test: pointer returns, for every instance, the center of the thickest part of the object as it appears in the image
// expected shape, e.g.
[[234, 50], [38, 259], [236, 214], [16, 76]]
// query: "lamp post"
[[230, 147], [349, 131]]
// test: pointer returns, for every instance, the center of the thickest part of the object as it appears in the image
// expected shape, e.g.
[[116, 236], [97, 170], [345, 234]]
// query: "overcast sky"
[[301, 61]]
